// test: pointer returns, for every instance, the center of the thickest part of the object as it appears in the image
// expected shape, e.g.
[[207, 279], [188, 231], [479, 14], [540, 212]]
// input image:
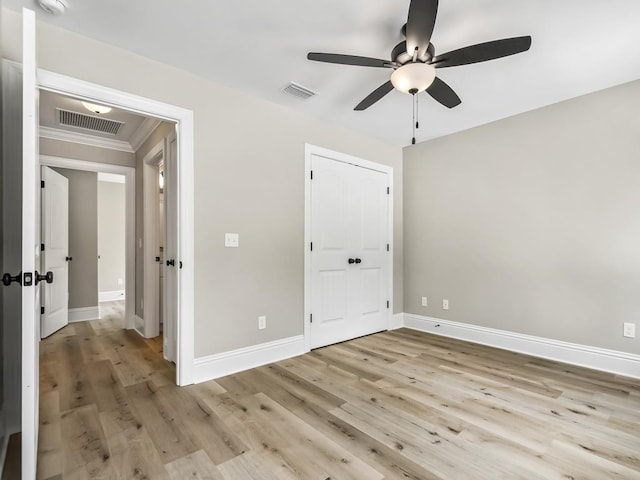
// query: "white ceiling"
[[258, 46]]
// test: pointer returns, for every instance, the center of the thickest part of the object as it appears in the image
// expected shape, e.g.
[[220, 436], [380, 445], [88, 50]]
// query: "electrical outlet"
[[424, 301], [262, 322], [629, 330], [445, 304]]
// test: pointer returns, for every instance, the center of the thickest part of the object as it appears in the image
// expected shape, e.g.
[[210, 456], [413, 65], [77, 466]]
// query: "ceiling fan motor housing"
[[400, 56]]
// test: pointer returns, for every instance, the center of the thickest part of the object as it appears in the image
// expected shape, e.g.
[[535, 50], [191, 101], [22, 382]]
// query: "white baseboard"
[[612, 361], [397, 321], [83, 314], [109, 296], [221, 364]]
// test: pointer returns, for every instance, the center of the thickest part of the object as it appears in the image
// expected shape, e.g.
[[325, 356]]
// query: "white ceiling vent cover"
[[298, 91], [88, 122]]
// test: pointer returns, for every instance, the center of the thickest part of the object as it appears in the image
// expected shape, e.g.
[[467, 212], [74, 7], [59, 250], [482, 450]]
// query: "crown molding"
[[83, 139], [143, 132]]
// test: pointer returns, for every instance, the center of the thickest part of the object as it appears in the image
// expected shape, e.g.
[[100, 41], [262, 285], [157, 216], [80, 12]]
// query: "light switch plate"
[[629, 330], [231, 240]]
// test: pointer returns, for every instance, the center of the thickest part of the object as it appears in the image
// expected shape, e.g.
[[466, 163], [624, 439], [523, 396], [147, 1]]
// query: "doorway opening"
[[112, 244]]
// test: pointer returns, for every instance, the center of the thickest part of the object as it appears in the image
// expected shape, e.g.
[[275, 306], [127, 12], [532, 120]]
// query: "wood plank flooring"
[[396, 405]]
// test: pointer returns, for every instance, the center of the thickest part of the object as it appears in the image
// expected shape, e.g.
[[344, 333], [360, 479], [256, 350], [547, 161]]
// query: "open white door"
[[173, 265], [30, 248], [55, 238]]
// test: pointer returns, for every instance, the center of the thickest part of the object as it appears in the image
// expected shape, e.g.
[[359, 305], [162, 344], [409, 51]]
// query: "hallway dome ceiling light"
[[95, 108]]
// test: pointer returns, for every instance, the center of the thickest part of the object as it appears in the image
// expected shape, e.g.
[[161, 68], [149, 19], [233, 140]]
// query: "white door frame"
[[129, 174], [65, 85], [150, 209], [309, 151]]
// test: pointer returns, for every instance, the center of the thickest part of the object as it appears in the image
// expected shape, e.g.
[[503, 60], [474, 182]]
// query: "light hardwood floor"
[[399, 404]]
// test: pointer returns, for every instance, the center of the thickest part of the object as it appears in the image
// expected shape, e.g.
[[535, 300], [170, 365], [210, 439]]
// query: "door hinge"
[[311, 174], [312, 246], [41, 183], [387, 247], [41, 310], [388, 190], [311, 317], [42, 247], [387, 303]]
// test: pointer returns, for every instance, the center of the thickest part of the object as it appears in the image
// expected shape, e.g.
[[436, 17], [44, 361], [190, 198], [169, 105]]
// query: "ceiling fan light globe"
[[413, 76]]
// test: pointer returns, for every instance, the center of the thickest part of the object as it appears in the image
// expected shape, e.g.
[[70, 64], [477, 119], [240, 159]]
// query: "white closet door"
[[348, 264]]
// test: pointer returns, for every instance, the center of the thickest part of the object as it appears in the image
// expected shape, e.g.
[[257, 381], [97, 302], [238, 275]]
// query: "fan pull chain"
[[414, 123]]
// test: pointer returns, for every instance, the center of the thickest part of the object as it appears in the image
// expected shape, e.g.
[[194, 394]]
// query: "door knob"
[[47, 277], [7, 278], [68, 259], [171, 263], [158, 259], [351, 260], [358, 260]]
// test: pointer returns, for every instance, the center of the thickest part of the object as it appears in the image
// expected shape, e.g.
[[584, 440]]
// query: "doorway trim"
[[183, 118], [130, 222], [309, 151], [150, 294]]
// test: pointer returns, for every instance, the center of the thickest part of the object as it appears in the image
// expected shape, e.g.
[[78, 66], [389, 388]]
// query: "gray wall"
[[531, 224], [249, 179], [83, 237], [111, 236], [77, 151]]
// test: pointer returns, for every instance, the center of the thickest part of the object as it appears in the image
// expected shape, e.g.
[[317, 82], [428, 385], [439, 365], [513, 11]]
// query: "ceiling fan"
[[414, 60]]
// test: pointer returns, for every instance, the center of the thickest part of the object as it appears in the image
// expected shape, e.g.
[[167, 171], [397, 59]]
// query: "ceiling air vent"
[[88, 122], [298, 91]]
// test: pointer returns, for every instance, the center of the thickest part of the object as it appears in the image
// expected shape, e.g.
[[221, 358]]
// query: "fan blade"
[[348, 60], [374, 96], [443, 93], [420, 23], [482, 52]]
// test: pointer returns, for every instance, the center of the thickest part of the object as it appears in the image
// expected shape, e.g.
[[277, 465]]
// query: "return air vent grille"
[[298, 91], [88, 122]]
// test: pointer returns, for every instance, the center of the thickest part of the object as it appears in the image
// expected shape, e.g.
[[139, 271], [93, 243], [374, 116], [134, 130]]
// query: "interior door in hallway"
[[55, 237], [349, 257]]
